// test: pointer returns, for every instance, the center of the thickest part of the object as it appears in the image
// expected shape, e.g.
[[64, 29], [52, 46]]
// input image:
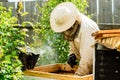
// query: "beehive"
[[107, 63], [57, 71]]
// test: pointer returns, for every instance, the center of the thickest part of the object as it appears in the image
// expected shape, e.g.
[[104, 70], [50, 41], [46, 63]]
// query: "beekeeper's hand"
[[72, 60]]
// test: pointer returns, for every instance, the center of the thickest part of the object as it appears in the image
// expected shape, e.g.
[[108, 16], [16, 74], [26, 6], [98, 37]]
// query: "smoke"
[[47, 55]]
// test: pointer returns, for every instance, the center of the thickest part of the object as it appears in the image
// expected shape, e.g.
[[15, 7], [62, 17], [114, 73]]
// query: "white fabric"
[[84, 45]]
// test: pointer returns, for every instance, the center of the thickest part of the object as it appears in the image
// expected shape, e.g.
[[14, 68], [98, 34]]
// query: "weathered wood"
[[101, 36], [105, 11], [12, 4], [106, 33], [92, 9], [116, 11], [30, 8], [105, 26]]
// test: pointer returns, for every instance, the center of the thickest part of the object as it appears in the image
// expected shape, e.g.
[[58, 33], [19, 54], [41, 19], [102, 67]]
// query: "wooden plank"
[[57, 76], [58, 71], [48, 68], [40, 2], [111, 35], [113, 31], [55, 68], [105, 11], [29, 7], [106, 33], [10, 4], [116, 11], [104, 26], [92, 9]]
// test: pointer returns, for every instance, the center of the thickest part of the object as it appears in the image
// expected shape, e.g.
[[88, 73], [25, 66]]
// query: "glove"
[[72, 60]]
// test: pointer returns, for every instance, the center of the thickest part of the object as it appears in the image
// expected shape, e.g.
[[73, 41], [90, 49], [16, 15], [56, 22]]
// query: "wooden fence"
[[32, 16], [29, 6], [105, 12]]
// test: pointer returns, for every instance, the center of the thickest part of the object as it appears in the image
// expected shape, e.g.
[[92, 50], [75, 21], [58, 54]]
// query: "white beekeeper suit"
[[62, 19], [83, 44]]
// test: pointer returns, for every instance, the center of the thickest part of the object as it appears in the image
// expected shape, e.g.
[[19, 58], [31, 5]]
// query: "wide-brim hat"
[[63, 16]]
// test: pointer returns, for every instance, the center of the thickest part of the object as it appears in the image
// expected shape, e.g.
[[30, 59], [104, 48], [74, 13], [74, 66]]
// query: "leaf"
[[25, 13], [26, 22], [12, 20], [1, 55]]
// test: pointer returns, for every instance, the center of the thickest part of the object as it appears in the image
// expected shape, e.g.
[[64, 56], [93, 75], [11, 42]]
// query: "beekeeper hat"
[[63, 16]]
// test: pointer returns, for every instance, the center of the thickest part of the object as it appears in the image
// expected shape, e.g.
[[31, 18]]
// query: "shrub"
[[10, 39]]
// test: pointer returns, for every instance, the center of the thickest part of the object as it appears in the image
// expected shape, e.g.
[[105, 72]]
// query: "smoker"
[[28, 60], [107, 63]]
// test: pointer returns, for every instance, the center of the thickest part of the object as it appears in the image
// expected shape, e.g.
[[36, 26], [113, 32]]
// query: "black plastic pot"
[[28, 60], [107, 63]]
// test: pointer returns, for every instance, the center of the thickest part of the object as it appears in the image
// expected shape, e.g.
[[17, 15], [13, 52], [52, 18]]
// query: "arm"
[[74, 50], [73, 54]]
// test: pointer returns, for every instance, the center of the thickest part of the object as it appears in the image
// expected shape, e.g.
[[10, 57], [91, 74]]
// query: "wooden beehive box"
[[57, 71]]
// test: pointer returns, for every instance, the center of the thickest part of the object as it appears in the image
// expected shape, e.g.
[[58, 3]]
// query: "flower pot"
[[23, 58], [31, 61], [28, 60]]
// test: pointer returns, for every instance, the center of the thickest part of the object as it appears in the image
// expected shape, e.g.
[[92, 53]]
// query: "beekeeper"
[[77, 29]]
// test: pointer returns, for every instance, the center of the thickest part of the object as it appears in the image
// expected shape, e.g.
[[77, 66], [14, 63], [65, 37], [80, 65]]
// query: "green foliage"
[[10, 39], [55, 40]]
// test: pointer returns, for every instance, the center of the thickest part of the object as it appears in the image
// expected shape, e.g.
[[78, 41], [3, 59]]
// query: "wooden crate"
[[57, 71]]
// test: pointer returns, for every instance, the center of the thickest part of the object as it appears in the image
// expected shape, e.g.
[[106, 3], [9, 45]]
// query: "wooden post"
[[19, 8]]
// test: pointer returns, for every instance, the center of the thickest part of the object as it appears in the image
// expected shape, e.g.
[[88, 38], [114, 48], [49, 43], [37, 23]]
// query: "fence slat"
[[29, 7], [92, 9], [117, 11], [105, 11]]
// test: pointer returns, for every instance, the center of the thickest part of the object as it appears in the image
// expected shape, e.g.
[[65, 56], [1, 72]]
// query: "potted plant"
[[28, 58]]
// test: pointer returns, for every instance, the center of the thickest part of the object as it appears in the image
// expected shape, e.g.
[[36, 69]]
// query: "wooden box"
[[57, 71]]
